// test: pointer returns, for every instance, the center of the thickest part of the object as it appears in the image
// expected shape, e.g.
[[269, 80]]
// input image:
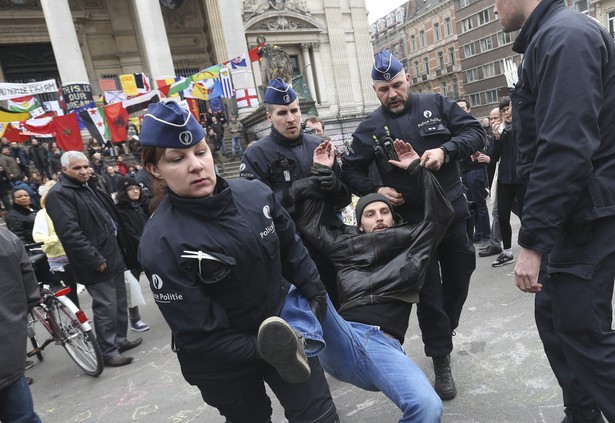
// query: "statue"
[[275, 63]]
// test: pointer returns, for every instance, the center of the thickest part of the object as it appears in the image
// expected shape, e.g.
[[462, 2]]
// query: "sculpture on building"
[[252, 8], [275, 63]]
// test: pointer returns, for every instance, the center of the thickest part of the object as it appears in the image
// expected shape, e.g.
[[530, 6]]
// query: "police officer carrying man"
[[441, 133], [284, 157]]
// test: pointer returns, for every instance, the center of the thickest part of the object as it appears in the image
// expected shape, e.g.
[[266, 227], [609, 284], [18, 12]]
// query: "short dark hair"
[[505, 102], [315, 119], [463, 100]]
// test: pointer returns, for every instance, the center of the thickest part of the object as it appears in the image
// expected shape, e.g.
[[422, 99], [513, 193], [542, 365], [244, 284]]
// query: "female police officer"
[[216, 253]]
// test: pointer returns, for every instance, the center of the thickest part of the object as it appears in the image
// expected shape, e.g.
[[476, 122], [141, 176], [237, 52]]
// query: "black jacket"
[[428, 121], [214, 306], [19, 294], [504, 150], [20, 221], [39, 156], [88, 236], [386, 266], [279, 162], [133, 219], [564, 121]]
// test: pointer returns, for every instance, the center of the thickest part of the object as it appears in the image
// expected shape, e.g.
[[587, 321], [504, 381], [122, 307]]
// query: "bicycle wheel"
[[32, 335], [79, 344]]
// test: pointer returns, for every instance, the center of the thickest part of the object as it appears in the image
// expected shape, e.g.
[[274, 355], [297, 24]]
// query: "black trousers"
[[507, 195], [445, 290], [574, 316], [240, 396]]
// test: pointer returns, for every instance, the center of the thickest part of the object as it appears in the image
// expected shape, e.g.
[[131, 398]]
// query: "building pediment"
[[287, 20]]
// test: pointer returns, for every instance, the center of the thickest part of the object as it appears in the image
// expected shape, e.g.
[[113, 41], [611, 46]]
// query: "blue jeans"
[[236, 141], [16, 404], [475, 181], [364, 356]]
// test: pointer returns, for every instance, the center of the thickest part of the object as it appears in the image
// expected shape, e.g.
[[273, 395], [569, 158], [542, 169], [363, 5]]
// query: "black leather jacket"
[[381, 266]]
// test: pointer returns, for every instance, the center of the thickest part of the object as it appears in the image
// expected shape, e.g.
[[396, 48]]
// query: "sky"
[[379, 8]]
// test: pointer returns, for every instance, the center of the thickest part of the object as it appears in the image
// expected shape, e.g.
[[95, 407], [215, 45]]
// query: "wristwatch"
[[447, 155]]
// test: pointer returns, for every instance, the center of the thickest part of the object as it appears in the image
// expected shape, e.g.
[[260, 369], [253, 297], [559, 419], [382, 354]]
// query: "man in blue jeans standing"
[[19, 294], [381, 265]]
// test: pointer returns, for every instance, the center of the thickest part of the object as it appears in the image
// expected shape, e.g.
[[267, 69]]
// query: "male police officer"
[[285, 156], [441, 133], [564, 121]]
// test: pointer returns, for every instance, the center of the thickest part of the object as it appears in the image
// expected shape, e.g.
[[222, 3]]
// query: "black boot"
[[583, 415], [444, 383]]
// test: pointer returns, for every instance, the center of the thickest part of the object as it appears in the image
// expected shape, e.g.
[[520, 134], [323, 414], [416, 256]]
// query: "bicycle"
[[66, 323]]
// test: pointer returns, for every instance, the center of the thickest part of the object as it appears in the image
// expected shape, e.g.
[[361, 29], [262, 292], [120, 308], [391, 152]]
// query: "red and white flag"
[[246, 97]]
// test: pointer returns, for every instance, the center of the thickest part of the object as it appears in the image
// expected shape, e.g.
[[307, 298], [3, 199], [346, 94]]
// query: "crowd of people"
[[325, 296]]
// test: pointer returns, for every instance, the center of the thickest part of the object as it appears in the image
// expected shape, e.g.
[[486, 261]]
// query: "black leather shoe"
[[128, 345], [444, 384], [118, 361], [490, 251]]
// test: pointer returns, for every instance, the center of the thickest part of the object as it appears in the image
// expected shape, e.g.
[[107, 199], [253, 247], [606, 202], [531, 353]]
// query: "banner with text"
[[9, 90], [77, 96]]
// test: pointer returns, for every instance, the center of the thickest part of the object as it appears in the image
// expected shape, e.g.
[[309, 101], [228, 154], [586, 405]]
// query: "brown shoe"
[[128, 345], [29, 380], [118, 361]]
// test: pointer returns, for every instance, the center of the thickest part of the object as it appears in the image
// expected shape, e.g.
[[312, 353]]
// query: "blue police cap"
[[386, 66], [279, 92], [168, 125]]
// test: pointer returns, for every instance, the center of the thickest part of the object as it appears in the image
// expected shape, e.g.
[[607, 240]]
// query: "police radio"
[[385, 151]]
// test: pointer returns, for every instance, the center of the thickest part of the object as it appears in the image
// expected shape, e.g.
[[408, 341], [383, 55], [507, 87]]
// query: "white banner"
[[9, 90]]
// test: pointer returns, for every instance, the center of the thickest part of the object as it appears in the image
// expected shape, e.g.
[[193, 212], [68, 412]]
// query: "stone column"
[[307, 70], [64, 41], [156, 50], [320, 76]]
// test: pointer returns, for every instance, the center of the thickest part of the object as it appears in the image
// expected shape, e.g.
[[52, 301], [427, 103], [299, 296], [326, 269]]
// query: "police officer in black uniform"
[[284, 157], [442, 134], [564, 124], [218, 254]]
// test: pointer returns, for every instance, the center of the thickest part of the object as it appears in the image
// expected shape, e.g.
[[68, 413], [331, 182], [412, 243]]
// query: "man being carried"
[[381, 265]]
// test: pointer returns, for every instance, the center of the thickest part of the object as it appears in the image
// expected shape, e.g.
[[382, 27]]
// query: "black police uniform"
[[428, 121], [279, 162], [564, 121], [214, 305]]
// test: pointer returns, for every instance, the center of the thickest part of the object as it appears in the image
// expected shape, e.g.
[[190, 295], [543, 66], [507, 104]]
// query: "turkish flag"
[[68, 135], [117, 118]]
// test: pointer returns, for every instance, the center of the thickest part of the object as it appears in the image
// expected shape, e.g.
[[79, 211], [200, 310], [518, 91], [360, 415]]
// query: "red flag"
[[254, 56], [193, 105], [68, 135], [117, 118], [42, 127], [12, 134]]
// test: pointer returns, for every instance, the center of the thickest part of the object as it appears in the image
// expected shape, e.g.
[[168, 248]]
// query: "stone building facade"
[[83, 41]]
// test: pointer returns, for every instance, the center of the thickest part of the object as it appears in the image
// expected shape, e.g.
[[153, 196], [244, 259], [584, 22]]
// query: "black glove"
[[305, 188], [318, 304], [327, 179]]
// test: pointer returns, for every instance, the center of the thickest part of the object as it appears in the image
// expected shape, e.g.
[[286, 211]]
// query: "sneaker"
[[502, 260], [281, 347], [490, 251], [139, 326]]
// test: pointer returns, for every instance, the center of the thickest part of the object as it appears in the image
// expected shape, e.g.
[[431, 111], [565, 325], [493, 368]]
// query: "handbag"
[[134, 296]]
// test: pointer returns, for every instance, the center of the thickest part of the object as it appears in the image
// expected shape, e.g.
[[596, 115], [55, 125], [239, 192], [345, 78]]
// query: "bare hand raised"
[[324, 154], [405, 153]]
